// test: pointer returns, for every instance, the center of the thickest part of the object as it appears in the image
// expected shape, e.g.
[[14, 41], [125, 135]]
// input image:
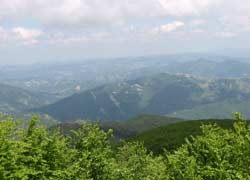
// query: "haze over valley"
[[187, 86], [124, 89]]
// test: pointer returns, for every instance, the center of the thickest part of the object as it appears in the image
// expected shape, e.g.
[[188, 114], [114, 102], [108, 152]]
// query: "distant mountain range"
[[14, 100], [64, 79], [162, 94], [187, 86], [209, 68]]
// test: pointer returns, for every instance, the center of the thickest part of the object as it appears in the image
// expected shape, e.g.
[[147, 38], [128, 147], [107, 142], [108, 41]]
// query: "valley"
[[159, 110], [124, 90], [161, 94], [186, 86]]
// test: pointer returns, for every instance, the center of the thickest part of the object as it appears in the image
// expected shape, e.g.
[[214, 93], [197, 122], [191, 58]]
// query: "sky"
[[37, 31]]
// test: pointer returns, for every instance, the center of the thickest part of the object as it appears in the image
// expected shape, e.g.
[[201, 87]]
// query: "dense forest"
[[34, 152]]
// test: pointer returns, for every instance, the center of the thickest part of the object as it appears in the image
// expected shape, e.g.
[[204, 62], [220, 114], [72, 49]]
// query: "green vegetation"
[[44, 119], [36, 153], [125, 129], [181, 96], [145, 122], [220, 110], [171, 137]]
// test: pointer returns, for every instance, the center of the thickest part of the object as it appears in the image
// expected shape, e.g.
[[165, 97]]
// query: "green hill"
[[161, 94], [172, 136], [126, 129], [156, 132], [219, 110], [139, 124]]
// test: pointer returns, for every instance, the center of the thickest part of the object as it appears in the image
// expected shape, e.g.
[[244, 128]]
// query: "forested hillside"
[[13, 99], [124, 90], [171, 137], [124, 129], [36, 153], [161, 94]]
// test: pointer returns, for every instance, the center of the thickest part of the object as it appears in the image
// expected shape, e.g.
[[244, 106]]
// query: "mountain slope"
[[161, 94], [217, 110], [126, 129], [13, 99], [203, 67], [172, 136], [64, 79]]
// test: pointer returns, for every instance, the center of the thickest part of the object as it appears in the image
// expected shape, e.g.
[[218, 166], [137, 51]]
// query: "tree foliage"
[[37, 153]]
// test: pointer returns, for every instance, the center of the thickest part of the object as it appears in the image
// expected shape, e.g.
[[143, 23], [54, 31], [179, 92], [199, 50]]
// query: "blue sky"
[[37, 31]]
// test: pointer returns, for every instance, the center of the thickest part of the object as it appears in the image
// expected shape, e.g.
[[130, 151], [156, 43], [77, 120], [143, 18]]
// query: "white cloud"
[[27, 36], [3, 36], [78, 12], [197, 22], [19, 35], [167, 28], [239, 23], [82, 21], [69, 40], [30, 36], [225, 34], [60, 38], [188, 7], [96, 12], [197, 31], [100, 36]]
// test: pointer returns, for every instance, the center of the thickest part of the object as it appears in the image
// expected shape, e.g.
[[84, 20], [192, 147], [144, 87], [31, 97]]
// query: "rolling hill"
[[126, 129], [219, 110], [172, 136], [14, 99], [161, 94], [209, 68], [61, 79], [155, 132]]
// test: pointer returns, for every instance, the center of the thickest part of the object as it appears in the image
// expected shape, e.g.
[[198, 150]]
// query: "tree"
[[216, 154], [34, 152], [93, 156], [133, 162]]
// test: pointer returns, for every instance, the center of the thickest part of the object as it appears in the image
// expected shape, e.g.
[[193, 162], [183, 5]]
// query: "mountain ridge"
[[160, 94], [14, 99]]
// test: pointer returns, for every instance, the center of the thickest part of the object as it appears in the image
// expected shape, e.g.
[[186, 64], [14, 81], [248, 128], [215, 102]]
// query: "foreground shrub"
[[216, 154], [134, 162], [33, 153]]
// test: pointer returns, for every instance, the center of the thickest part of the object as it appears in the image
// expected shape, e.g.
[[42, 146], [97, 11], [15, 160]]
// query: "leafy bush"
[[216, 154], [36, 153]]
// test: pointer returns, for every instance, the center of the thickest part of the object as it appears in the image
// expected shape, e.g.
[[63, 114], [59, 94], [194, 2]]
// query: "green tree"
[[9, 147], [92, 153], [34, 152], [133, 162], [216, 154]]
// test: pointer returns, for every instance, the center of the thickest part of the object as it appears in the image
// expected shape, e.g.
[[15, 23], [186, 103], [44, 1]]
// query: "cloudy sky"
[[53, 30]]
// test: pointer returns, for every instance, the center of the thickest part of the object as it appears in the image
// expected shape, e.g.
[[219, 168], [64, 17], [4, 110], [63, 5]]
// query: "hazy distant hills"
[[204, 67], [13, 99], [185, 85], [63, 79], [162, 94]]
